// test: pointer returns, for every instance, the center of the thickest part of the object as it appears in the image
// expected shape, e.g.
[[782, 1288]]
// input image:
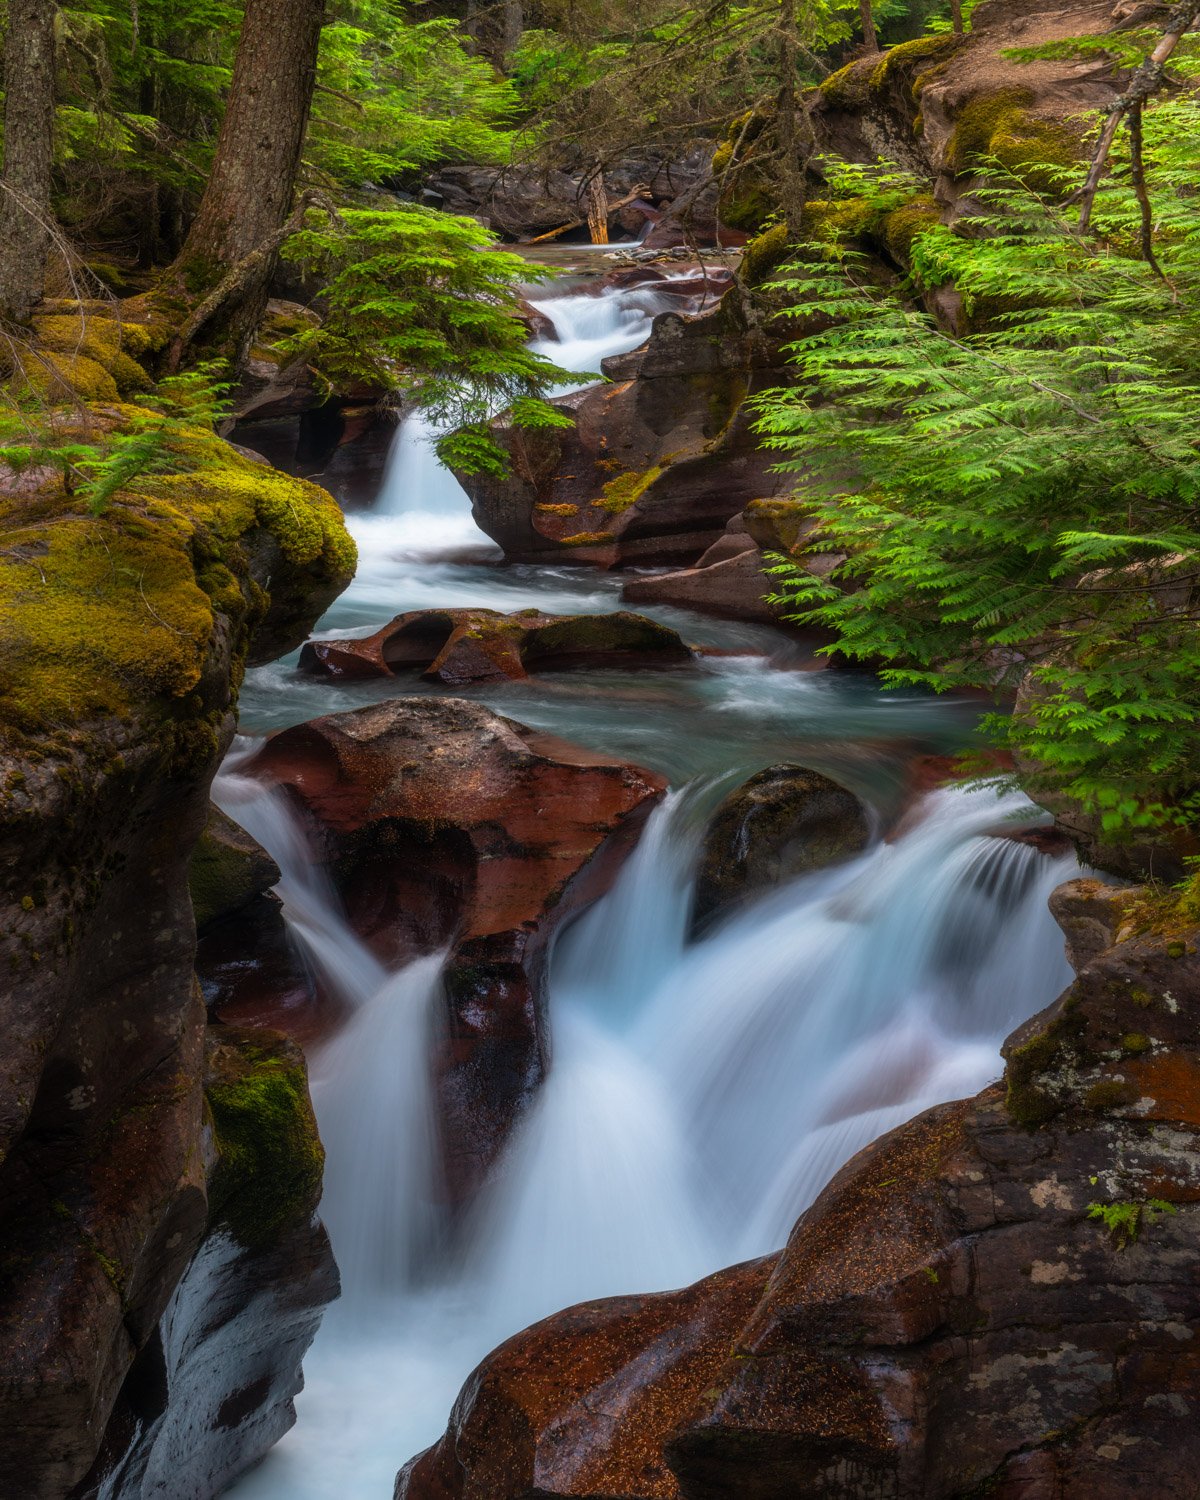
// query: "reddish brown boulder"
[[528, 1421], [483, 645], [732, 585], [654, 465], [998, 1298], [442, 823]]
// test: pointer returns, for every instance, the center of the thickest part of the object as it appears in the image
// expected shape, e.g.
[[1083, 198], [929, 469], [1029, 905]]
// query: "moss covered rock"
[[269, 1157], [228, 869]]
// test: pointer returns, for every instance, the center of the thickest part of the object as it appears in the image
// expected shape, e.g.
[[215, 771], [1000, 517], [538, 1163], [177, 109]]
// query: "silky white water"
[[701, 1093]]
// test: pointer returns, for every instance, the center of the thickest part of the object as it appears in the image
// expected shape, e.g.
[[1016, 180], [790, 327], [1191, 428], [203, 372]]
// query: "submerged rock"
[[483, 645], [997, 1298], [443, 824], [784, 822]]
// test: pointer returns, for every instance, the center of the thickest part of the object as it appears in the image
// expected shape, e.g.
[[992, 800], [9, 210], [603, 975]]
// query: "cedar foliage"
[[1018, 502]]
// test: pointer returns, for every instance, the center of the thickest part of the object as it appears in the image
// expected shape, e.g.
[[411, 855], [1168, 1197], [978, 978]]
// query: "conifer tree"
[[28, 144]]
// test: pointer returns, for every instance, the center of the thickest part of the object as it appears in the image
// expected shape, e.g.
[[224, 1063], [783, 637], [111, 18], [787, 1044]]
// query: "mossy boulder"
[[1000, 127], [269, 1156], [784, 822], [228, 869], [115, 614]]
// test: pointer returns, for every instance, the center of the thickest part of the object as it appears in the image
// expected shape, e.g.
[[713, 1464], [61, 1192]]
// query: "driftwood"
[[641, 191]]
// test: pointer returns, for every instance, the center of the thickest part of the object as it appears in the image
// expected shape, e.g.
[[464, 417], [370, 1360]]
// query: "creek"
[[702, 1092]]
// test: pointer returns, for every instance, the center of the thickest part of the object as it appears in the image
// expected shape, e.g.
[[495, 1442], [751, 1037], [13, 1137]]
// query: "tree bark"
[[868, 25], [956, 16], [514, 26], [28, 147], [249, 191], [793, 152]]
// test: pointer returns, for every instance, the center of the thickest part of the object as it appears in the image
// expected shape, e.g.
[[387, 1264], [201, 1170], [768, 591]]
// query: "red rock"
[[480, 645], [734, 587], [442, 823], [653, 467], [528, 1421]]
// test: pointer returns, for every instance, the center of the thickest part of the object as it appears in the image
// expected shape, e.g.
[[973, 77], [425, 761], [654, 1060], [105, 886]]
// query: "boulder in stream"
[[228, 870], [455, 646], [997, 1298], [784, 822], [444, 825]]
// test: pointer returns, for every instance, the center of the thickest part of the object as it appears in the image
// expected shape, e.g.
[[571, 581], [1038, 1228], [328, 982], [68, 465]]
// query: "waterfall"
[[700, 1096]]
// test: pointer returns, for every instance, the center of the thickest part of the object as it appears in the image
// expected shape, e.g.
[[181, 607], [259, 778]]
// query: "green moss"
[[557, 510], [1109, 1094], [1000, 126], [98, 338], [1027, 1104], [763, 256], [922, 49], [1135, 1041], [270, 1158], [99, 615], [850, 87], [587, 539], [832, 221], [625, 491], [49, 375], [899, 228]]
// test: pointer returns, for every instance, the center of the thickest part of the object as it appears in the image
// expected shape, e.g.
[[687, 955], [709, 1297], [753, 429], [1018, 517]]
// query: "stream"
[[702, 1093]]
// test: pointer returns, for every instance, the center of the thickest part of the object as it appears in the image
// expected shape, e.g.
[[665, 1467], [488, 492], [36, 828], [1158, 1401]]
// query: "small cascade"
[[590, 328], [372, 1095]]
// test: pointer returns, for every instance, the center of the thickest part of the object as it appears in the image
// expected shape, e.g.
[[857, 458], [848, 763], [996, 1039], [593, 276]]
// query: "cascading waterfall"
[[700, 1096], [701, 1093]]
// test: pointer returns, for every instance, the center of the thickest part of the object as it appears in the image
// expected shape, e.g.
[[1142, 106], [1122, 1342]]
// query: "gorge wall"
[[122, 1121]]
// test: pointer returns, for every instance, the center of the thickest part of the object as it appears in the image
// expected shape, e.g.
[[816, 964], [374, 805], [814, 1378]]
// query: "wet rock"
[[482, 645], [526, 1423], [228, 869], [1092, 916], [997, 1298], [728, 581], [110, 732], [229, 1348], [443, 824], [653, 467], [784, 822]]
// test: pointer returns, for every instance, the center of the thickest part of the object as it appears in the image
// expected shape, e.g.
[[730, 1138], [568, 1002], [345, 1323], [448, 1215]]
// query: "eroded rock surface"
[[999, 1298], [455, 646], [213, 1391], [442, 823]]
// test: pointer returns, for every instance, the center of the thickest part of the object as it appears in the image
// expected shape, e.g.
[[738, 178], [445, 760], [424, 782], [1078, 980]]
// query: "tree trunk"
[[597, 208], [514, 26], [28, 147], [956, 16], [794, 150], [249, 191], [868, 24]]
